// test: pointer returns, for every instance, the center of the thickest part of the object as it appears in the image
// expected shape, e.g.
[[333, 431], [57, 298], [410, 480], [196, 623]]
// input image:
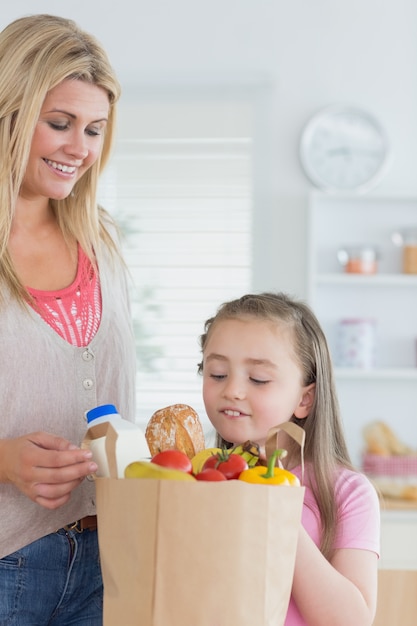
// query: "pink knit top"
[[75, 311]]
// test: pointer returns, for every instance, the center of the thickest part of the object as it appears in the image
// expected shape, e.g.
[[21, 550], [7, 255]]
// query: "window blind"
[[183, 202]]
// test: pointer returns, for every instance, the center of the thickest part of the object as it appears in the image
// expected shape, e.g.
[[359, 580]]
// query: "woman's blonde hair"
[[325, 446], [37, 53]]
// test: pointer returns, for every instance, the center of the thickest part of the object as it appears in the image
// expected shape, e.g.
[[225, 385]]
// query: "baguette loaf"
[[380, 439], [175, 427]]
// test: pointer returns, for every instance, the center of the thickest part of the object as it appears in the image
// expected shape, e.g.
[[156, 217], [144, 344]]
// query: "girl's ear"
[[304, 408]]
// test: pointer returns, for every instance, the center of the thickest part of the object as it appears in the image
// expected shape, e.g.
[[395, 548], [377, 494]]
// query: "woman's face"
[[251, 379], [68, 139]]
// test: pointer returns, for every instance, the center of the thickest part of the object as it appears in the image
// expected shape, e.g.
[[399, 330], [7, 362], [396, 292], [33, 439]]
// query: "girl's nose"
[[234, 390]]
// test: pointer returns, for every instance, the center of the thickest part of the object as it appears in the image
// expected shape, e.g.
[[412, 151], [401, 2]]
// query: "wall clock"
[[344, 148]]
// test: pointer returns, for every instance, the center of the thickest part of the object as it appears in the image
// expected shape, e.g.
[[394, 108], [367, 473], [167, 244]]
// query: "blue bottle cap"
[[99, 411]]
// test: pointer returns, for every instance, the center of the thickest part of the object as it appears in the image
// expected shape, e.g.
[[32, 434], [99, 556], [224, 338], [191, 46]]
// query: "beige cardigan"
[[47, 384]]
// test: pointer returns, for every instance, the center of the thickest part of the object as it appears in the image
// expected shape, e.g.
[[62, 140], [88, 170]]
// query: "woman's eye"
[[57, 126], [93, 132]]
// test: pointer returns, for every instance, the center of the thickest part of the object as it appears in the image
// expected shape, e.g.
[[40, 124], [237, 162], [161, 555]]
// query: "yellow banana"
[[250, 452], [147, 469], [201, 457]]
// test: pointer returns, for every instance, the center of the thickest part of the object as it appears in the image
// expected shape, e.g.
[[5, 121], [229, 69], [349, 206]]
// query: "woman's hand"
[[45, 467]]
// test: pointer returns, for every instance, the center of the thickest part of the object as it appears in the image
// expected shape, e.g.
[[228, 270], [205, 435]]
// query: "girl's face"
[[251, 379], [68, 139]]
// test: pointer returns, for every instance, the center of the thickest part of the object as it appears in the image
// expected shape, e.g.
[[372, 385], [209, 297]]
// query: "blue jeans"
[[55, 581]]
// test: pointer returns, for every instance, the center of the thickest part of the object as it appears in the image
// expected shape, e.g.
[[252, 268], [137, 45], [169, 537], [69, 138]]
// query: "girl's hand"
[[45, 467], [342, 592]]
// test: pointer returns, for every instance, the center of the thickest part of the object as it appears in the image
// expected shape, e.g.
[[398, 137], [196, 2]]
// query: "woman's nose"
[[77, 146]]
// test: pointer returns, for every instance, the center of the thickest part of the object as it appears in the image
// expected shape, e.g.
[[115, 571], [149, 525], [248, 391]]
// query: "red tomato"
[[174, 459], [210, 474], [231, 465]]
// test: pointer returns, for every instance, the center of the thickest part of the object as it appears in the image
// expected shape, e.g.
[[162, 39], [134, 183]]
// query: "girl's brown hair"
[[325, 446], [36, 54]]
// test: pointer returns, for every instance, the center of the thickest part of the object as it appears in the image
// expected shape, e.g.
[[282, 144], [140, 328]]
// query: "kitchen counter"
[[394, 504], [398, 534]]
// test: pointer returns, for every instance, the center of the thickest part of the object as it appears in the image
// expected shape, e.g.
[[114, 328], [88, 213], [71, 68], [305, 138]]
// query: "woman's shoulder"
[[109, 225], [109, 250]]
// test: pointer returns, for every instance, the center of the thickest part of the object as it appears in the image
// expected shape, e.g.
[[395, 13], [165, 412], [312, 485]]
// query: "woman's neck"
[[43, 258]]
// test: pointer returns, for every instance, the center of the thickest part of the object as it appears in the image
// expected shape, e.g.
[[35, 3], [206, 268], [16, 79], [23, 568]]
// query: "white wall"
[[305, 54]]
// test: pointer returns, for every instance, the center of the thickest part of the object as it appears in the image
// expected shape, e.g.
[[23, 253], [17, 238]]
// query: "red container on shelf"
[[358, 259]]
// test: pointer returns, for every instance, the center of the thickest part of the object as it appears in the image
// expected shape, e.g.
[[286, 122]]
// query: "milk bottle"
[[114, 441]]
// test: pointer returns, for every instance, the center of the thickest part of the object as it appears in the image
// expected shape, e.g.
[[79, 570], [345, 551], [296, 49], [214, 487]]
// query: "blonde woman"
[[65, 330], [265, 362]]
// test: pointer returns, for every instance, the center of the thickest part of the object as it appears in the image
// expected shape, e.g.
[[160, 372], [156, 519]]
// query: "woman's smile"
[[61, 167]]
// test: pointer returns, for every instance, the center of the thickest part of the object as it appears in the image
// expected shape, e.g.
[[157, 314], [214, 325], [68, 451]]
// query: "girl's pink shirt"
[[359, 520], [75, 311]]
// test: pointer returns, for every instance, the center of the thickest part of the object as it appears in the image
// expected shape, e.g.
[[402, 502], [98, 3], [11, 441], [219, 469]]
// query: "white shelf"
[[391, 373], [387, 392], [360, 280]]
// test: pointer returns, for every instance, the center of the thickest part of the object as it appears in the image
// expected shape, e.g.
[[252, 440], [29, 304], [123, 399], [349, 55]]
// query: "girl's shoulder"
[[358, 512], [354, 491], [348, 479], [350, 486]]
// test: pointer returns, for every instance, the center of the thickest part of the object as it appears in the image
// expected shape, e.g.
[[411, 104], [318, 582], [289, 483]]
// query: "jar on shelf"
[[407, 238], [356, 343], [358, 259]]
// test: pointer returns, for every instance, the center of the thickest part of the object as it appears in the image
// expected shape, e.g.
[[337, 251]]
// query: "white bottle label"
[[114, 445]]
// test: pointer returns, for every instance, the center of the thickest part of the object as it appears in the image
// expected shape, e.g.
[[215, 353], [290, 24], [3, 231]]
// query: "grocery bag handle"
[[295, 432]]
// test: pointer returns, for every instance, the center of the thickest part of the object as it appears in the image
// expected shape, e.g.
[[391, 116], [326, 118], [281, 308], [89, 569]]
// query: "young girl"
[[265, 362]]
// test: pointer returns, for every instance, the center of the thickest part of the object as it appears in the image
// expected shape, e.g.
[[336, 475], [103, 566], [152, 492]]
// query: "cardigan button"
[[88, 383], [87, 355]]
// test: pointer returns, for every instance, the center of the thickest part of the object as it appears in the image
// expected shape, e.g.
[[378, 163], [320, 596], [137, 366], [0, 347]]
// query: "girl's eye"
[[259, 382], [218, 376]]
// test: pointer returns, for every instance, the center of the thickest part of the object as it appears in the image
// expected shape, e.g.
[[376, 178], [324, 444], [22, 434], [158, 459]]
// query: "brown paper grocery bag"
[[179, 553]]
